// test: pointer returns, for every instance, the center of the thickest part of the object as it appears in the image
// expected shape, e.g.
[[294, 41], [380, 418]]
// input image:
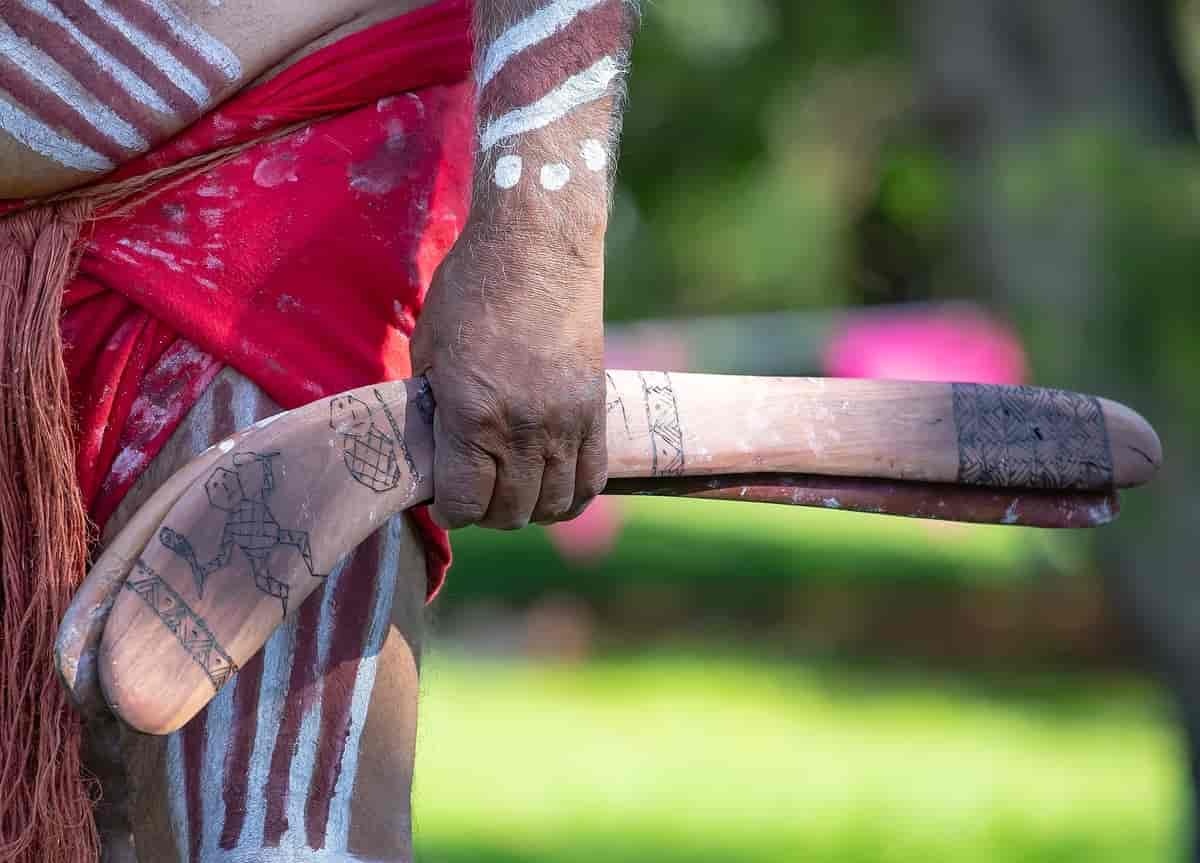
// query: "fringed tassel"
[[45, 800]]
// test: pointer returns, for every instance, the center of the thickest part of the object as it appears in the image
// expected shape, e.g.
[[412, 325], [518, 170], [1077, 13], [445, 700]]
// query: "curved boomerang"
[[259, 517]]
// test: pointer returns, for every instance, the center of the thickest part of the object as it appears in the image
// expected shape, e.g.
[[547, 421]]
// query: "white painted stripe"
[[219, 736], [41, 67], [39, 137], [201, 433], [179, 74], [278, 655], [285, 854], [304, 761], [245, 402], [589, 85], [201, 421], [215, 53], [538, 27], [122, 74], [338, 834], [177, 796], [272, 692]]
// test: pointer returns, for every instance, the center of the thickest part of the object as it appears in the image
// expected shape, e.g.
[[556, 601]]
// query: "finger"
[[591, 471], [464, 477], [518, 484], [558, 490]]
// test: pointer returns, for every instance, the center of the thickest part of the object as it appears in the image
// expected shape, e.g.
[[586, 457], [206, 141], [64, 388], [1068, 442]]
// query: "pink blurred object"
[[961, 344], [592, 535]]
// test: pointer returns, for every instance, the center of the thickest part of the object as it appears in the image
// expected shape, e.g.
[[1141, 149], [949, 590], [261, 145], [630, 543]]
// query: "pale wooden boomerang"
[[207, 569]]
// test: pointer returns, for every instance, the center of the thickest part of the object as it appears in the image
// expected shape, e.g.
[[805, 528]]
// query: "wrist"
[[530, 220]]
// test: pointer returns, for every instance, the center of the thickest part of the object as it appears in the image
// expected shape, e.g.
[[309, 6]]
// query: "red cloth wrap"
[[302, 263]]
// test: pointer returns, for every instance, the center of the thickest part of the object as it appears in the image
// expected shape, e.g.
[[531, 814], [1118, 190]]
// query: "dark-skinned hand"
[[511, 341]]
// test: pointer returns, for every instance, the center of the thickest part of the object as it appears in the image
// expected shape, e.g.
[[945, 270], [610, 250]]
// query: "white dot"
[[508, 171], [594, 155], [555, 176]]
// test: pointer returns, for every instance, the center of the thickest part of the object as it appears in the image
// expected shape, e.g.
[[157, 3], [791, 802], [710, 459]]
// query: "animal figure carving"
[[249, 526]]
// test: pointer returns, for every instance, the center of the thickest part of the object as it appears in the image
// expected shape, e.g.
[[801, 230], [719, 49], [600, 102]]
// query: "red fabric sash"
[[302, 262]]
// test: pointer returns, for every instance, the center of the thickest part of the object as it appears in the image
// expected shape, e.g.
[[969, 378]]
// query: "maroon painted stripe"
[[353, 602], [241, 747], [531, 74], [49, 108], [195, 734], [223, 422], [300, 699], [54, 41], [146, 19], [114, 43]]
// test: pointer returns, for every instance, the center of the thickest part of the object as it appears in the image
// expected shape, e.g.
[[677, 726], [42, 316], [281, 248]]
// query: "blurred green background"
[[720, 682]]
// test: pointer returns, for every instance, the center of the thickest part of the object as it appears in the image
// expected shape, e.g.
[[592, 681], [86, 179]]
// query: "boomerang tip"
[[1136, 449]]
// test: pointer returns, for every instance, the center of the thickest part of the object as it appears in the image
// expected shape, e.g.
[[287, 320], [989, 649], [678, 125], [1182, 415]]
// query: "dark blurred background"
[[992, 190]]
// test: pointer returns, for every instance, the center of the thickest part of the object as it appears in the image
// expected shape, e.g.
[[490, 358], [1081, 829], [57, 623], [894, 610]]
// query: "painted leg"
[[308, 753], [277, 767]]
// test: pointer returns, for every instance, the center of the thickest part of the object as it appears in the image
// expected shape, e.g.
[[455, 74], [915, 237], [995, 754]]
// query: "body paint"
[[539, 71], [87, 83], [267, 771], [590, 85]]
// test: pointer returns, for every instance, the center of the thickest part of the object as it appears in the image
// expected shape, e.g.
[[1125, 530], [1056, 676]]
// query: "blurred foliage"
[[734, 553], [711, 758], [740, 152], [775, 158]]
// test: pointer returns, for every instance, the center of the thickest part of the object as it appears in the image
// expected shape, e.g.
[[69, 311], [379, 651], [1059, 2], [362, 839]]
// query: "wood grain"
[[215, 567]]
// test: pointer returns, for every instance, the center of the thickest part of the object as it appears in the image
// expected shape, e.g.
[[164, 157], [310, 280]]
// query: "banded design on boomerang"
[[1009, 455], [519, 94], [86, 83]]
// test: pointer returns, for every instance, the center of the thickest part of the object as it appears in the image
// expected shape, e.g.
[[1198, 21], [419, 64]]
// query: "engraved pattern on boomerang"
[[1030, 438], [615, 402], [189, 628], [372, 455], [84, 79], [662, 419], [249, 526]]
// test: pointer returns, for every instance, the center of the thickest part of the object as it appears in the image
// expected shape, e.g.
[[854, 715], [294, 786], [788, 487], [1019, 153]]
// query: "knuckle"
[[525, 420], [459, 512], [474, 417]]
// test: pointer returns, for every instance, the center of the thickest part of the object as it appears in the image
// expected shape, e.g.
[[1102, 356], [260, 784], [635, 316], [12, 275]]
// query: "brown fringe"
[[45, 800]]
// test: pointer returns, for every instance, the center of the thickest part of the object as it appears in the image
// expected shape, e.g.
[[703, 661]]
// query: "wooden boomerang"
[[206, 570]]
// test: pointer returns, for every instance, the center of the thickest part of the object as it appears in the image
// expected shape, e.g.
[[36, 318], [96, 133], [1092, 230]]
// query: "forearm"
[[512, 335], [551, 81]]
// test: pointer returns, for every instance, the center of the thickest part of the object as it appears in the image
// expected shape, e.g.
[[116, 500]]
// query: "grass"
[[731, 552], [714, 757]]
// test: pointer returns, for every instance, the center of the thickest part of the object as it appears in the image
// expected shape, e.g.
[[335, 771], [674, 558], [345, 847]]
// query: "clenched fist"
[[511, 341]]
